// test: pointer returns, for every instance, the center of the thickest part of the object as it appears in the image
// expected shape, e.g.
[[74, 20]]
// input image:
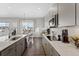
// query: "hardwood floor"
[[35, 49]]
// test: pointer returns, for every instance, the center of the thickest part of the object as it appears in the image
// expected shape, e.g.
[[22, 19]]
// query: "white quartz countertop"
[[3, 38], [7, 42], [4, 45], [64, 49]]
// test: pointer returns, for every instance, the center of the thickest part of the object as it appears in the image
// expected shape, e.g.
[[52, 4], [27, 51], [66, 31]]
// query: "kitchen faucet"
[[9, 31], [12, 33]]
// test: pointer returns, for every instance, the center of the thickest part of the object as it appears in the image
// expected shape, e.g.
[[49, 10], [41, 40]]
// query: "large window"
[[4, 24], [4, 28], [28, 25]]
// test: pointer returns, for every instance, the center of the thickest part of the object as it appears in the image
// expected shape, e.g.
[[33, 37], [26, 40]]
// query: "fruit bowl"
[[76, 40]]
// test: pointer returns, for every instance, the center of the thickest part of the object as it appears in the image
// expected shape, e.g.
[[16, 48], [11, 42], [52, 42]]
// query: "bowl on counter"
[[76, 40]]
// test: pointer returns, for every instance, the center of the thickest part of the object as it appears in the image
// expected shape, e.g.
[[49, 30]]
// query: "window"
[[4, 28], [4, 24], [28, 25]]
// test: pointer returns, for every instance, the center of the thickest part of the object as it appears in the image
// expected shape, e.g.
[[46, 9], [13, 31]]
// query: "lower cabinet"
[[15, 49], [23, 45], [10, 51], [20, 46], [48, 48], [53, 52]]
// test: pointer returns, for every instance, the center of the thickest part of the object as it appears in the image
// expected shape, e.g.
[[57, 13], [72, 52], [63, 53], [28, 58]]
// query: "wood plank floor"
[[35, 49]]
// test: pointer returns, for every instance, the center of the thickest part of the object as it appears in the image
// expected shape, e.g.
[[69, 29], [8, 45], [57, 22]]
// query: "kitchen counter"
[[64, 49], [3, 38], [7, 42]]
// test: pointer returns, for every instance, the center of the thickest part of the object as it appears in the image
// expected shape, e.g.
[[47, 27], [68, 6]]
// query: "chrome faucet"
[[9, 31], [12, 33]]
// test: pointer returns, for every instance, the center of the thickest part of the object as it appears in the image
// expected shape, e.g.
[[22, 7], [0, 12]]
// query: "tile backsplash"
[[72, 31]]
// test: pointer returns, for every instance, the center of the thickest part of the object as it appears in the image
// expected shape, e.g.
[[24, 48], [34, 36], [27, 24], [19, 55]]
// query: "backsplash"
[[74, 30]]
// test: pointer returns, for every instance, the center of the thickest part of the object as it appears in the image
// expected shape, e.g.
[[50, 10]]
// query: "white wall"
[[46, 19], [38, 26]]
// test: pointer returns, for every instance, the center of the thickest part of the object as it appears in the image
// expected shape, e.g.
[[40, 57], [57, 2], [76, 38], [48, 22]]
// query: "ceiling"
[[22, 10]]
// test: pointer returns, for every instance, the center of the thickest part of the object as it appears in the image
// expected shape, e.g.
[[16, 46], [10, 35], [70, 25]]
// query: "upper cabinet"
[[52, 10], [52, 19], [77, 13], [66, 13]]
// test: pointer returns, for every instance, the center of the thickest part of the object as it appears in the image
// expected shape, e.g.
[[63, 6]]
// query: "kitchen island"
[[58, 48], [10, 47]]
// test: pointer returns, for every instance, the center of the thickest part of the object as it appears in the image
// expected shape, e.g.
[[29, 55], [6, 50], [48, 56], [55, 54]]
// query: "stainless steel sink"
[[14, 38]]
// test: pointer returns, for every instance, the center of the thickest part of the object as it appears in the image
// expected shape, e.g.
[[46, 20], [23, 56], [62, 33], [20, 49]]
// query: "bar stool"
[[29, 40]]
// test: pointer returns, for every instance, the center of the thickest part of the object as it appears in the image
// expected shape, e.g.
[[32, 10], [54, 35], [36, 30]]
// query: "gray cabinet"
[[49, 50], [66, 13], [10, 51], [15, 49], [23, 45], [77, 13], [20, 46], [45, 46], [53, 52]]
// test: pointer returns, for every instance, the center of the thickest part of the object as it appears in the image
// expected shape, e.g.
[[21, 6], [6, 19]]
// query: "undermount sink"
[[52, 38], [14, 37], [49, 37]]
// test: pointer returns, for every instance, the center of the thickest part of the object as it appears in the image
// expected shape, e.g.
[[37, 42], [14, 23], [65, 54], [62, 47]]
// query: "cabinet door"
[[49, 50], [53, 52], [52, 11], [10, 51], [46, 46], [77, 13], [18, 48], [22, 42], [66, 13]]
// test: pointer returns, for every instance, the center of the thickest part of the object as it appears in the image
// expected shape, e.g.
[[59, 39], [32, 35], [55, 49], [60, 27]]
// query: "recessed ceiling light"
[[9, 7], [39, 8]]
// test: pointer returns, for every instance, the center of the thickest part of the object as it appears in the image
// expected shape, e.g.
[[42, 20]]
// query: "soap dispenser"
[[59, 38]]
